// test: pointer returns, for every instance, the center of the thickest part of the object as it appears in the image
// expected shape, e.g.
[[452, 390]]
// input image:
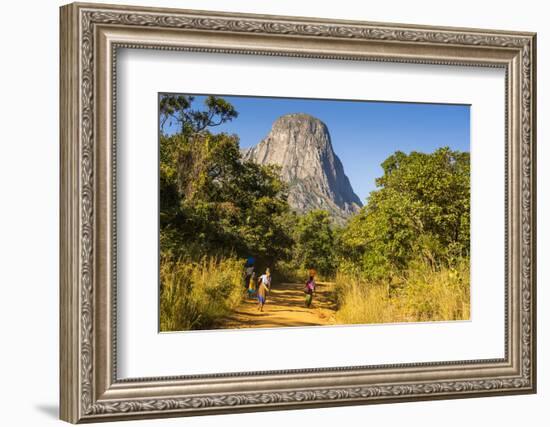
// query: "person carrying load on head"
[[309, 290], [252, 286], [248, 272]]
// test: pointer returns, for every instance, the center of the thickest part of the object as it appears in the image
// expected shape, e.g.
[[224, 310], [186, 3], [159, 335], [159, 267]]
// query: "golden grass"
[[423, 295], [196, 295]]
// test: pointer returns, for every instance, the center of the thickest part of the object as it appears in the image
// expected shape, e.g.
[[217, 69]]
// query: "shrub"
[[423, 294], [361, 302], [438, 295], [196, 295]]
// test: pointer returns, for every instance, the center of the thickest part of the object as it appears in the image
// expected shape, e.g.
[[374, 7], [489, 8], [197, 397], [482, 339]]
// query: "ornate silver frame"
[[90, 36]]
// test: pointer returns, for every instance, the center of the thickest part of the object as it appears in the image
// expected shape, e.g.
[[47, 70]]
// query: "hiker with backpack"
[[309, 291]]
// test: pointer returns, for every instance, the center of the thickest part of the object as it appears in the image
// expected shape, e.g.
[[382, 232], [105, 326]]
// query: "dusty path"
[[284, 307]]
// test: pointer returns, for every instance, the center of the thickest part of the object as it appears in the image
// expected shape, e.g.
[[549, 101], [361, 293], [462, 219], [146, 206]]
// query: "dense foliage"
[[314, 243], [421, 210], [213, 202]]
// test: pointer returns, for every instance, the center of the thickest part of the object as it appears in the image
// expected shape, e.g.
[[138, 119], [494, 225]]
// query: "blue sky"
[[363, 133]]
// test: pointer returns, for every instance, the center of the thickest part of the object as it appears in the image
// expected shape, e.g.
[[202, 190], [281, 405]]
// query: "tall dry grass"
[[197, 295], [421, 295]]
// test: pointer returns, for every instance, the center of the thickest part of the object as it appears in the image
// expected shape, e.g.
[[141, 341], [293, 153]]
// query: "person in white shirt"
[[264, 286]]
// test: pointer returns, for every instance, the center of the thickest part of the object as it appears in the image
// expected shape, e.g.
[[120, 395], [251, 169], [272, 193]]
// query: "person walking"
[[252, 286], [264, 287], [249, 271], [309, 291]]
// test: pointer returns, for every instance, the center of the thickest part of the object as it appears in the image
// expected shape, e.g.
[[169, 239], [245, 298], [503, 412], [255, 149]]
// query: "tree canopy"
[[194, 120], [421, 209], [212, 201], [314, 238]]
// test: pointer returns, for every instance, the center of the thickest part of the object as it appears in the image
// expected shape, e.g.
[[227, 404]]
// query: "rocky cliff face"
[[301, 145]]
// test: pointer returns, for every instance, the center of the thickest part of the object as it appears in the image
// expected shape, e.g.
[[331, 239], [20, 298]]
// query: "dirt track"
[[284, 307]]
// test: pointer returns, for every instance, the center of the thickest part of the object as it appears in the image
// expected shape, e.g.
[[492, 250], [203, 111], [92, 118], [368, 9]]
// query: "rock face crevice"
[[301, 145]]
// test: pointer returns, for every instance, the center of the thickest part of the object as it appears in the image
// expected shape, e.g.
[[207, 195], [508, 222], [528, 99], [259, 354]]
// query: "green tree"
[[315, 242], [179, 109], [214, 202], [420, 210]]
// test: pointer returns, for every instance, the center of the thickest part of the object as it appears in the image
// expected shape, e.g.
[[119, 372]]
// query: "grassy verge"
[[422, 295], [196, 295]]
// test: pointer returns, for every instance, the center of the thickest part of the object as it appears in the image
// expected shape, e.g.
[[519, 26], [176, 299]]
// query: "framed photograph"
[[267, 212]]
